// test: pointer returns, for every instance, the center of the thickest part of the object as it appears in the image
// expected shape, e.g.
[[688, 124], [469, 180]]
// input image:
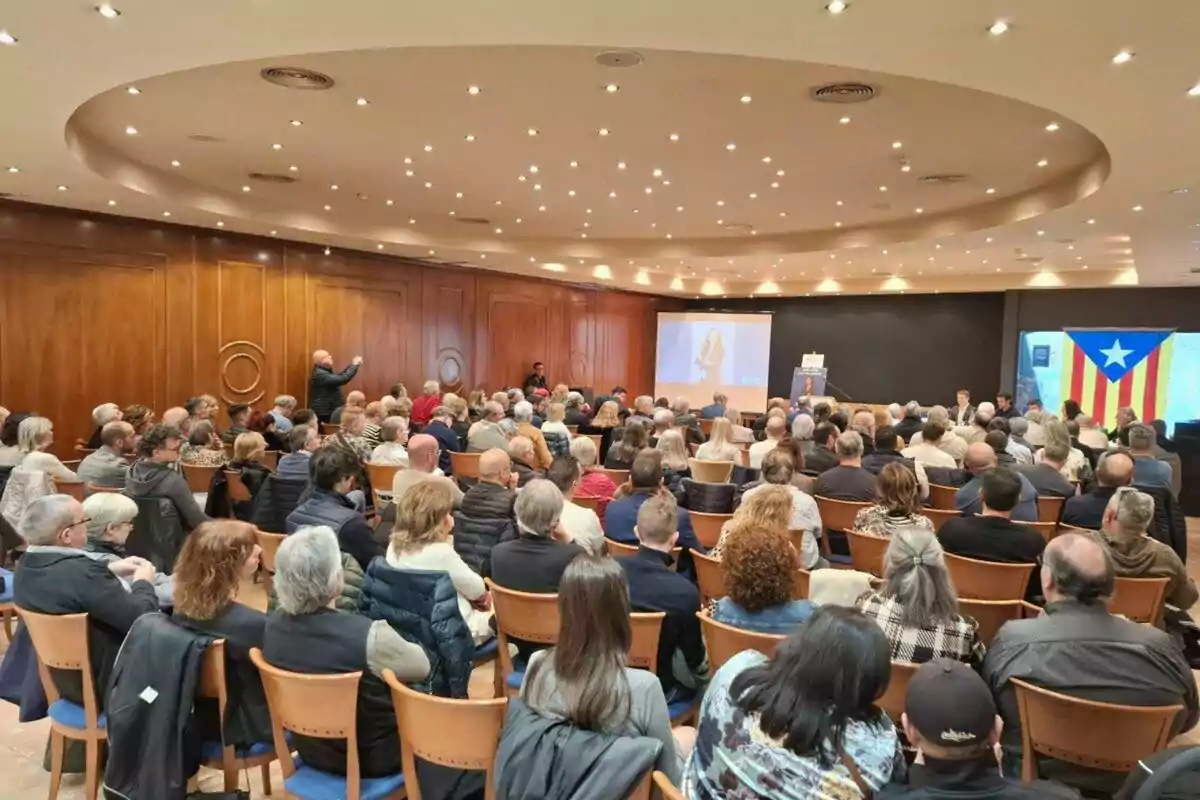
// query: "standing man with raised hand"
[[325, 385]]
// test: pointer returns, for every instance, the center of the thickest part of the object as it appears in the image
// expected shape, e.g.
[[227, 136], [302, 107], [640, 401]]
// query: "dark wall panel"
[[1133, 307]]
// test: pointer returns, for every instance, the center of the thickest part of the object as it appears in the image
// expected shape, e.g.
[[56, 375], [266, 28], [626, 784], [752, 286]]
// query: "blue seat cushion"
[[515, 680], [211, 751], [838, 558], [6, 592], [487, 650], [64, 712], [678, 708], [312, 784]]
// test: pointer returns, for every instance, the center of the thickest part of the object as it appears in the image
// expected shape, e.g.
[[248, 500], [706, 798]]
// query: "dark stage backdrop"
[[884, 348]]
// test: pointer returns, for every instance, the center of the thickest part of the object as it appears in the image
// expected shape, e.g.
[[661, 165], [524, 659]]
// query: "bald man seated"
[[1087, 510], [981, 459], [422, 466], [1078, 648], [524, 459], [177, 418], [495, 493], [325, 385]]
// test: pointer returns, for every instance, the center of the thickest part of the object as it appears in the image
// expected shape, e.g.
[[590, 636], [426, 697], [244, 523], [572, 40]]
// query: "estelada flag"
[[1107, 368]]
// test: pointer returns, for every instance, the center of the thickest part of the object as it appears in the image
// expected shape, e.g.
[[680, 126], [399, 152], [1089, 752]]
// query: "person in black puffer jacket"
[[493, 496], [475, 538]]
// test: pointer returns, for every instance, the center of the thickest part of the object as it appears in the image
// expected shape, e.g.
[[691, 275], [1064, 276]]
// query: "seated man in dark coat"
[[334, 472], [1087, 510], [520, 450], [535, 560], [820, 456], [493, 496], [848, 480], [1047, 476], [152, 475]]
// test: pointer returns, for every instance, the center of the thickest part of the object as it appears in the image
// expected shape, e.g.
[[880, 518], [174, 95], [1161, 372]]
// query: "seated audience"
[[621, 454], [248, 452], [863, 422], [540, 459], [303, 441], [56, 576], [110, 519], [848, 480], [1091, 434], [687, 423], [305, 416], [950, 717], [422, 466], [333, 473], [1078, 648], [350, 437], [738, 433], [990, 534], [354, 399], [154, 475], [177, 418], [643, 412], [581, 524], [716, 408], [264, 425], [493, 495], [285, 406], [1077, 468], [759, 567], [655, 586], [212, 565], [998, 441], [372, 417], [138, 416], [606, 415], [822, 457], [584, 680], [664, 421], [645, 482], [486, 434], [575, 414], [788, 725], [981, 459], [1136, 555], [916, 607], [593, 484], [949, 442], [675, 463], [1046, 475], [421, 539], [197, 409], [535, 560], [770, 507], [885, 453], [239, 415], [775, 429], [910, 423], [720, 446], [393, 433], [840, 420], [1087, 510], [107, 465], [35, 436], [1036, 434], [524, 458], [897, 506], [1147, 469], [804, 516], [10, 452], [1017, 428], [555, 431], [440, 421], [461, 418], [307, 635], [101, 416], [203, 447]]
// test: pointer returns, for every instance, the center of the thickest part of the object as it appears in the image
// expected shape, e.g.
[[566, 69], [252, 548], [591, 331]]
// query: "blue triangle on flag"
[[1116, 351]]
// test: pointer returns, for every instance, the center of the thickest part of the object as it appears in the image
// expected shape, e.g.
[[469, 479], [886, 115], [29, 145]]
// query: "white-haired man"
[[101, 416], [523, 416], [423, 406], [285, 404], [1136, 555], [486, 433]]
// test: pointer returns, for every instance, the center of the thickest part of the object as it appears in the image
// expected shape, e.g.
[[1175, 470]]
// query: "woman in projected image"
[[712, 356]]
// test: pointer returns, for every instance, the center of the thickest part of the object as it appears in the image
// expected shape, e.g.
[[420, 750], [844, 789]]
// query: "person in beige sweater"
[[1137, 555], [523, 414]]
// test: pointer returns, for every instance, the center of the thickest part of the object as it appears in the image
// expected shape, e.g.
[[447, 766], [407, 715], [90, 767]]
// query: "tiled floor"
[[22, 746]]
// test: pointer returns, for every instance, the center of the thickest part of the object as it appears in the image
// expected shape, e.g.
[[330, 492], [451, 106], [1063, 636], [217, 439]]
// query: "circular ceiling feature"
[[296, 78]]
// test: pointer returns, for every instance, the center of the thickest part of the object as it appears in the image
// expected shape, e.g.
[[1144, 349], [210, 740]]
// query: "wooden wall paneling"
[[448, 330], [581, 357], [518, 322]]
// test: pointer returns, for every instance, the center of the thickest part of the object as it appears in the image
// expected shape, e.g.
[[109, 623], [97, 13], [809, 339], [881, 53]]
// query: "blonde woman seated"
[[35, 435], [759, 566], [720, 445], [769, 507], [675, 462], [421, 539], [203, 448], [555, 432], [607, 417], [916, 607], [738, 433], [898, 501]]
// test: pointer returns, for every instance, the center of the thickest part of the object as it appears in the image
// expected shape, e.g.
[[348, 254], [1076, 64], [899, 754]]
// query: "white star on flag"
[[1115, 354]]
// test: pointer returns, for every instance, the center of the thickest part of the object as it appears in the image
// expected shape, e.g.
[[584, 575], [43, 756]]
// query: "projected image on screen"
[[699, 354]]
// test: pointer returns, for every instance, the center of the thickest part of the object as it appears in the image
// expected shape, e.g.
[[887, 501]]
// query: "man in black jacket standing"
[[325, 385]]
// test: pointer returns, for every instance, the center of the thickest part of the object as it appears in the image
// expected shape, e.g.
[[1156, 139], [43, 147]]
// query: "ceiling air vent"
[[270, 177], [843, 93], [618, 58], [473, 220], [951, 177], [738, 227], [205, 138], [1192, 270], [296, 78]]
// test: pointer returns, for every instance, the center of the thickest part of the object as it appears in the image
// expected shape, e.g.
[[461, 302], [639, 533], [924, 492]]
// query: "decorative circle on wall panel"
[[450, 367], [240, 351]]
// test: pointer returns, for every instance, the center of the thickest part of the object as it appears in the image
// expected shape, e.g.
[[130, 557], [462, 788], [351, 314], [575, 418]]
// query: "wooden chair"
[[1050, 508], [225, 757], [708, 526], [617, 476], [1139, 599], [710, 471], [72, 489], [1047, 530], [723, 642], [616, 549], [990, 614], [1087, 733], [61, 642], [81, 447], [270, 460], [709, 577], [988, 580], [329, 429], [199, 479], [836, 515], [801, 584], [596, 438], [72, 464], [866, 551], [940, 516], [381, 477], [463, 734], [238, 491], [572, 429], [645, 628], [269, 542], [323, 707], [586, 501], [892, 700], [92, 488], [942, 496], [706, 426], [464, 465], [524, 616], [666, 788]]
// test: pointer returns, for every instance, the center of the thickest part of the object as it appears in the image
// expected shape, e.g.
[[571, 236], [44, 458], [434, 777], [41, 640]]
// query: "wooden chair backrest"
[[801, 584], [238, 491], [320, 706], [723, 642], [838, 515], [199, 478], [617, 476], [586, 501], [1050, 508], [382, 475], [708, 526], [524, 616], [710, 471], [616, 548], [93, 488], [1139, 599], [988, 580], [1098, 735], [464, 465], [463, 734], [1047, 530], [269, 542], [72, 489], [329, 429], [596, 438], [893, 697], [990, 614], [940, 516], [646, 628], [61, 642], [706, 426], [942, 496], [668, 790], [866, 551], [572, 429], [270, 460], [709, 577]]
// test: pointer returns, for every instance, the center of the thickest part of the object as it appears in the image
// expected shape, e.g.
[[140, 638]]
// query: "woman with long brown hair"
[[215, 559], [897, 504], [584, 678]]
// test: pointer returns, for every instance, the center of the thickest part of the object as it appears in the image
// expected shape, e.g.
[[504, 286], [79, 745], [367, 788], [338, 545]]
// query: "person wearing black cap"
[[949, 715]]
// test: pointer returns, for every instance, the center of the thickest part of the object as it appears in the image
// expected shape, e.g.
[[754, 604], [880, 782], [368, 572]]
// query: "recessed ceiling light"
[[612, 88], [989, 240], [844, 120], [720, 202], [428, 148], [220, 223], [897, 145], [1043, 163], [521, 178], [107, 11], [453, 213], [779, 173], [1122, 57], [620, 165], [1194, 91], [587, 224], [537, 187], [1137, 208], [836, 6], [1052, 127], [408, 159], [666, 183], [1041, 233], [112, 202], [499, 230], [573, 164], [674, 137], [753, 195], [906, 167], [837, 224], [7, 38], [362, 101], [533, 169], [329, 208], [532, 131], [998, 28], [1070, 247], [409, 173], [433, 252], [766, 159], [783, 213], [245, 188], [297, 123], [277, 146], [391, 202], [990, 190], [473, 90], [840, 203], [612, 194], [133, 90], [274, 233], [746, 98], [603, 131], [412, 221], [458, 195], [570, 192], [379, 246], [775, 184], [333, 186], [470, 137], [293, 168], [166, 213], [541, 208], [428, 185], [132, 131], [649, 190], [731, 146], [1091, 221], [883, 188], [14, 170]]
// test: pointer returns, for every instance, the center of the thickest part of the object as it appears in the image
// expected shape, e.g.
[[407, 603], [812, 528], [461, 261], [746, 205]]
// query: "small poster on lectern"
[[808, 381]]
